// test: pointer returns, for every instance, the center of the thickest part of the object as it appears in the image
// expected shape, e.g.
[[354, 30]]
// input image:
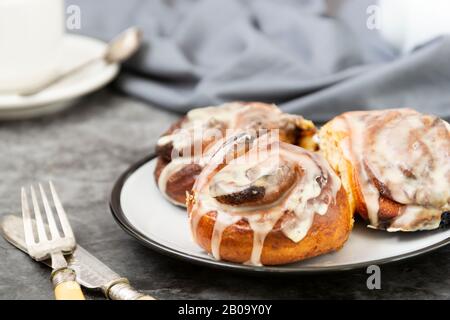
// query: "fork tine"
[[49, 212], [27, 224], [37, 213], [61, 213]]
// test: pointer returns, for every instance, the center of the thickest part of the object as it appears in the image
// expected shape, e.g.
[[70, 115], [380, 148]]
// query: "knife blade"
[[91, 272]]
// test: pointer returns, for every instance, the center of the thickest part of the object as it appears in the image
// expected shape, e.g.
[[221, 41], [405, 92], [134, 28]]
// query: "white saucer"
[[142, 211], [75, 50]]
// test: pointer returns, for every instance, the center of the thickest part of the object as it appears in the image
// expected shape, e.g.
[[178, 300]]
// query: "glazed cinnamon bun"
[[261, 201], [186, 147], [394, 165]]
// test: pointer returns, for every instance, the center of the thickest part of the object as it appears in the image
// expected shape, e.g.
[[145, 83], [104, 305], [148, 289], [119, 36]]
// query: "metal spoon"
[[118, 50]]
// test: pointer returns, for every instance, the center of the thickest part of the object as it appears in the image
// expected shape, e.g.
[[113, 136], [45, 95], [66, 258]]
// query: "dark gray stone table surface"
[[84, 149]]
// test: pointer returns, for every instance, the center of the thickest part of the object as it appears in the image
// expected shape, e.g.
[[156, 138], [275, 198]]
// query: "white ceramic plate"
[[75, 50], [142, 211]]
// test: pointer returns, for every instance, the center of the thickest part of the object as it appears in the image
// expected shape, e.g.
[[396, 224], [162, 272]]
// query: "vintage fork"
[[41, 247]]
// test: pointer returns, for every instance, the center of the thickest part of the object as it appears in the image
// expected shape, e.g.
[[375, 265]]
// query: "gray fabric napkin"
[[312, 57]]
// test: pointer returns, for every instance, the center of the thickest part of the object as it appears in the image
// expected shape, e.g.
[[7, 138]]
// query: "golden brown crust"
[[330, 148], [327, 233]]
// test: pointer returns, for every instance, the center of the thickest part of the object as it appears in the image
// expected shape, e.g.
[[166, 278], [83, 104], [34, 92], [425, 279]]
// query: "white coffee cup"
[[407, 24], [31, 35]]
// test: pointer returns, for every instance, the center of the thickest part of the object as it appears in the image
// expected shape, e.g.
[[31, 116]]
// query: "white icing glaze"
[[429, 219], [408, 153], [203, 127], [302, 200], [166, 173], [231, 115]]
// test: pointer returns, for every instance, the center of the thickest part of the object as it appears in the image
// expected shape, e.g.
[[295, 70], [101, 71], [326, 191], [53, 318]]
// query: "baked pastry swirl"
[[262, 201], [394, 164], [187, 146]]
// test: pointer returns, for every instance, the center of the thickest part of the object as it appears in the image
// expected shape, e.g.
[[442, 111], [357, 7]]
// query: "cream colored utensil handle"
[[146, 298], [65, 285]]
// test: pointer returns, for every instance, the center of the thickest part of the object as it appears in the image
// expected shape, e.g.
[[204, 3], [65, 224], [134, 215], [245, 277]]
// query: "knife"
[[90, 272]]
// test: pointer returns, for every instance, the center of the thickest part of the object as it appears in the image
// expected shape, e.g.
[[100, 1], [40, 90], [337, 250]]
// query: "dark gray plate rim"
[[121, 219]]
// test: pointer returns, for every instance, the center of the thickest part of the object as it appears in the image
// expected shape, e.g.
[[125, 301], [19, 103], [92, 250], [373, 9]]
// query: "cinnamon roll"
[[394, 165], [261, 201], [186, 147]]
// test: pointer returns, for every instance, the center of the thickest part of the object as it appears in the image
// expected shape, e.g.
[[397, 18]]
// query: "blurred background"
[[316, 58], [313, 57]]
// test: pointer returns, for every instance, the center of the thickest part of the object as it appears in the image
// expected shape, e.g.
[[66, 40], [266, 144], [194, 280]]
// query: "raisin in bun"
[[394, 164], [186, 147]]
